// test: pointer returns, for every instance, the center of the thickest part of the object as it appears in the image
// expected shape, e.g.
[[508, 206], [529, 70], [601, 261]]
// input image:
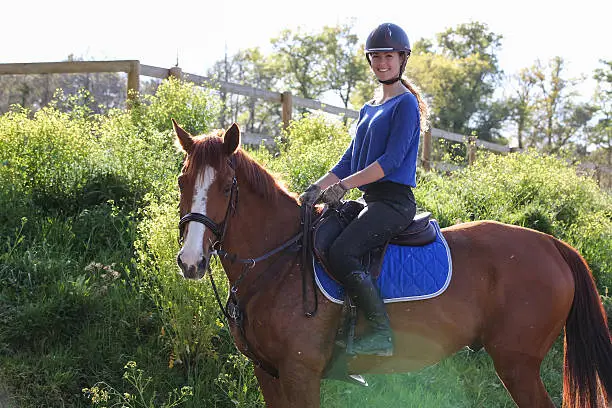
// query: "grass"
[[465, 380]]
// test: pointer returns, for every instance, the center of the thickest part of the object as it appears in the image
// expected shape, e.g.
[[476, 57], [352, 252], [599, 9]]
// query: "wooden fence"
[[134, 69], [130, 67], [288, 100]]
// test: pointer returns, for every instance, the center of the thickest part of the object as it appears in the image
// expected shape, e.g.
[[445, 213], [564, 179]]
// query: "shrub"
[[72, 191], [45, 159], [193, 107], [309, 148], [531, 190]]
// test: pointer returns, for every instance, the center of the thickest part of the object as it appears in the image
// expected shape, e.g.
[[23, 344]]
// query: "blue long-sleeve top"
[[387, 133]]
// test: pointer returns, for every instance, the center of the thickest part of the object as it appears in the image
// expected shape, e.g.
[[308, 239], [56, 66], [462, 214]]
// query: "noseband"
[[217, 229]]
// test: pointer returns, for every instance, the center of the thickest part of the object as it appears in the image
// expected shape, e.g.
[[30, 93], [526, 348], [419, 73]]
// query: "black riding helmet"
[[388, 37]]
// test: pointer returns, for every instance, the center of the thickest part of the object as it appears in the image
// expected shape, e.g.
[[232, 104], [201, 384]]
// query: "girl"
[[381, 161]]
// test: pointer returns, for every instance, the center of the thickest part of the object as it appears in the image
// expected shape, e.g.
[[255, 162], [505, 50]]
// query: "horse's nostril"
[[179, 261], [203, 264]]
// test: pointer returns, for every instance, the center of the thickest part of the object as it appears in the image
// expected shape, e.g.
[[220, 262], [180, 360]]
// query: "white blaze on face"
[[192, 251]]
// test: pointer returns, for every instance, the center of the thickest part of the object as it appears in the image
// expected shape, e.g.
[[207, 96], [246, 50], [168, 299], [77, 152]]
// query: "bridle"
[[233, 310], [218, 230]]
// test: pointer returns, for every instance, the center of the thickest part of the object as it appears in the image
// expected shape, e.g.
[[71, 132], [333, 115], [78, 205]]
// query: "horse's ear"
[[231, 140], [184, 138]]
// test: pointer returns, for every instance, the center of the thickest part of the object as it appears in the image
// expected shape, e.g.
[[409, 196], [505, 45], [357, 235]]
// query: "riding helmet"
[[388, 37]]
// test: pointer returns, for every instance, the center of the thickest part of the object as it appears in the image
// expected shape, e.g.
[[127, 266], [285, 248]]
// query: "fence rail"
[[134, 69], [131, 67]]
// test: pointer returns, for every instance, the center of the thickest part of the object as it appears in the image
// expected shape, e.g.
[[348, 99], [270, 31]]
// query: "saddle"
[[333, 220]]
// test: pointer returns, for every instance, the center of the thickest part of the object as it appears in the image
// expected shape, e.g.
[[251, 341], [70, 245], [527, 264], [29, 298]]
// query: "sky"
[[201, 32]]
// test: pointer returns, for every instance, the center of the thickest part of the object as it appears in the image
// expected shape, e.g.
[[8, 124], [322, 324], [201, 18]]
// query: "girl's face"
[[385, 65]]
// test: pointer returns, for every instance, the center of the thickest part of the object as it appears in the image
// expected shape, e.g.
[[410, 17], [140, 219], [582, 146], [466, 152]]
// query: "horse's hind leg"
[[520, 374]]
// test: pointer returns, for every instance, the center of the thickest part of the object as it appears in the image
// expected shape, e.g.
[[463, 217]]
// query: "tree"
[[559, 120], [309, 64], [300, 57], [224, 70], [258, 71], [248, 67], [522, 103], [488, 123], [459, 73], [344, 61], [472, 39], [601, 135], [364, 90]]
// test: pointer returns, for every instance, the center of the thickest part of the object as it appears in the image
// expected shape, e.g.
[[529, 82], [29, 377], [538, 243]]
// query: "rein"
[[248, 264], [307, 259]]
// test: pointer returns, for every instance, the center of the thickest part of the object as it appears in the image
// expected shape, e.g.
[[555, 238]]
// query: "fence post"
[[287, 102], [471, 149], [426, 154], [133, 82], [176, 72]]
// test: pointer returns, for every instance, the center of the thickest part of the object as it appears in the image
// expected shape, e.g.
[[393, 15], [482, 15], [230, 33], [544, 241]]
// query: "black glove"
[[310, 195], [333, 194]]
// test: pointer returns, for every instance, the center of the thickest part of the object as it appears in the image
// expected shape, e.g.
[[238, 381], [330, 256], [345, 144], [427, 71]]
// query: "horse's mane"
[[260, 179], [208, 150]]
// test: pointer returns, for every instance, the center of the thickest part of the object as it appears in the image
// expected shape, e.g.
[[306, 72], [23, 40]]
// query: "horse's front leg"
[[270, 388], [301, 385], [297, 387]]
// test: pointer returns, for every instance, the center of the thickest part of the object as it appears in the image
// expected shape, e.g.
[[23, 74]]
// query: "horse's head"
[[208, 193]]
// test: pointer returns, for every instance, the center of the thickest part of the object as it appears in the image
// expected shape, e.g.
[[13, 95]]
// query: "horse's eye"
[[227, 190]]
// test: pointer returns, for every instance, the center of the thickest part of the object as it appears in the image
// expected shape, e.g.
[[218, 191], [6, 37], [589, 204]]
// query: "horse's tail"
[[587, 373]]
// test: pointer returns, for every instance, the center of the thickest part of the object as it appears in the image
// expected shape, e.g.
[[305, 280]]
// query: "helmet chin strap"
[[390, 81]]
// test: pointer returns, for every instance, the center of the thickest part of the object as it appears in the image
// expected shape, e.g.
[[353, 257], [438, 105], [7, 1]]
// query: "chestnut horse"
[[513, 290]]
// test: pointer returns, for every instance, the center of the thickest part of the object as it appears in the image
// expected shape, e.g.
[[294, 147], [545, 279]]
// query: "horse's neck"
[[259, 226]]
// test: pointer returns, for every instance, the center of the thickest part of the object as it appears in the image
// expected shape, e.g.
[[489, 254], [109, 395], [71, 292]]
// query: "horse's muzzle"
[[193, 271]]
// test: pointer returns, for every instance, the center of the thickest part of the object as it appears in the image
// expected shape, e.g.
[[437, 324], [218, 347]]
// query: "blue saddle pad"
[[408, 273]]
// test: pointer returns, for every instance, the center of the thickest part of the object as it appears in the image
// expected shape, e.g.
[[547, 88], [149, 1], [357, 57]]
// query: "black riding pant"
[[390, 208]]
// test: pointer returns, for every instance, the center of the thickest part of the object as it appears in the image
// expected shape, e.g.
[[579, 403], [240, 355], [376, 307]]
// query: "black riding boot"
[[377, 340]]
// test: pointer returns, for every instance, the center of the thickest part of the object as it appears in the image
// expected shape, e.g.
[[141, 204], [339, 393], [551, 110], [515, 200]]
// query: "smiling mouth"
[[383, 71], [384, 74]]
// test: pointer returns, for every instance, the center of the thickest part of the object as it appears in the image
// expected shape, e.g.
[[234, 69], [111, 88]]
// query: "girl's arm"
[[368, 175]]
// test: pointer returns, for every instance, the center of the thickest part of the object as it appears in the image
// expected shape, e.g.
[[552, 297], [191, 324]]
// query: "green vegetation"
[[90, 297]]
